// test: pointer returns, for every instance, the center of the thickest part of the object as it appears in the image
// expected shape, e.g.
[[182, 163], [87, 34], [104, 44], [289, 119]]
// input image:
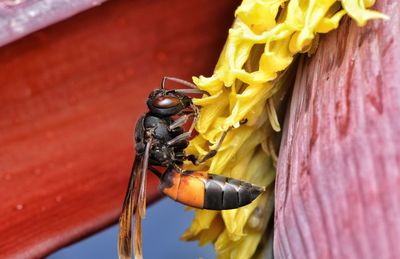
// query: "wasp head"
[[164, 103]]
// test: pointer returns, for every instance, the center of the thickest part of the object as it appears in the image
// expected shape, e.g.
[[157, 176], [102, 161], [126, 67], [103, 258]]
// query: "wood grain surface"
[[338, 182], [70, 95]]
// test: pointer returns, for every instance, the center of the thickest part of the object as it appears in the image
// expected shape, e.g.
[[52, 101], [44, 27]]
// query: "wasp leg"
[[211, 153], [179, 138], [183, 119], [155, 171], [179, 156], [180, 121], [186, 135], [195, 117]]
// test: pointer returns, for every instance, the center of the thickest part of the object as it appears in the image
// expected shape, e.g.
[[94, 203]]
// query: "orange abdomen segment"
[[187, 187]]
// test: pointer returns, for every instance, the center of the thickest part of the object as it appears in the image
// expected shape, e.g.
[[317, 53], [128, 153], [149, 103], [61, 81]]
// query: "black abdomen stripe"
[[213, 195], [230, 197], [223, 193]]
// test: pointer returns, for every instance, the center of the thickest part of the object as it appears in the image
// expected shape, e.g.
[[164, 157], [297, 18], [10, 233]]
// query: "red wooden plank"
[[338, 183], [21, 17], [70, 95]]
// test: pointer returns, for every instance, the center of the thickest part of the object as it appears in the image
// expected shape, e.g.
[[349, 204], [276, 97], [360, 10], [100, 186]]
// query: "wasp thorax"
[[166, 102]]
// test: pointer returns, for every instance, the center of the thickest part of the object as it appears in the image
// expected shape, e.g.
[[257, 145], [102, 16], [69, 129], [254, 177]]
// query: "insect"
[[160, 140]]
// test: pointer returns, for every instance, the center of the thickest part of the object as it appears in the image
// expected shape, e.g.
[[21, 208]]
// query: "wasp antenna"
[[163, 82], [177, 80]]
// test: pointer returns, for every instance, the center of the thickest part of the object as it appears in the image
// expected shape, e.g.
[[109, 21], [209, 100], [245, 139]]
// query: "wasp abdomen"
[[208, 191], [223, 193], [187, 188]]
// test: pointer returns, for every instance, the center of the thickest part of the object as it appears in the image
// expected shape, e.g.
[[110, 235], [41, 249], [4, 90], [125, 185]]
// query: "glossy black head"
[[167, 103]]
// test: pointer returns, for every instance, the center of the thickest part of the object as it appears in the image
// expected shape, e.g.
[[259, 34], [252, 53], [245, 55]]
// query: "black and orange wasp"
[[160, 141]]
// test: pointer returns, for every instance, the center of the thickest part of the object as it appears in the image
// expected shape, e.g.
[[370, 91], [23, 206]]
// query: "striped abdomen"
[[208, 191]]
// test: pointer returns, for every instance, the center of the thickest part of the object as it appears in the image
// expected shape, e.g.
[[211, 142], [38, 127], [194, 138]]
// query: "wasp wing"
[[129, 208], [134, 204], [143, 181], [141, 203]]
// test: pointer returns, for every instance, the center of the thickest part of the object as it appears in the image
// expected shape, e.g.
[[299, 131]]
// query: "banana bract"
[[249, 83]]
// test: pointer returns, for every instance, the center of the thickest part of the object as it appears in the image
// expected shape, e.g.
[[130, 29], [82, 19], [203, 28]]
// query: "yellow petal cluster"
[[249, 83]]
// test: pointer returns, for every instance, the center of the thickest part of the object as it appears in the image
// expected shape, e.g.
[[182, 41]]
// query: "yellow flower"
[[249, 82]]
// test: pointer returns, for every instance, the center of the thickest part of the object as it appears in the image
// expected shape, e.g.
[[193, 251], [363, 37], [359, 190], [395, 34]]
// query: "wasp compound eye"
[[166, 102]]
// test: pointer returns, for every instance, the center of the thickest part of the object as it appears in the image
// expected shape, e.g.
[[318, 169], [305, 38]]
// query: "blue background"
[[165, 222]]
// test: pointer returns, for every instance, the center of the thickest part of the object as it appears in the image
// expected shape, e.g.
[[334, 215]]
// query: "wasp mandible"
[[161, 140]]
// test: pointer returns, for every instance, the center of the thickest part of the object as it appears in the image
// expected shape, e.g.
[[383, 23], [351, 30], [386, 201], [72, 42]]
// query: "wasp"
[[160, 142]]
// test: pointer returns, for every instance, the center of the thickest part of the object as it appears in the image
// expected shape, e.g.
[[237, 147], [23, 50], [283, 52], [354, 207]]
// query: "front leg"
[[180, 122], [194, 159], [178, 139]]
